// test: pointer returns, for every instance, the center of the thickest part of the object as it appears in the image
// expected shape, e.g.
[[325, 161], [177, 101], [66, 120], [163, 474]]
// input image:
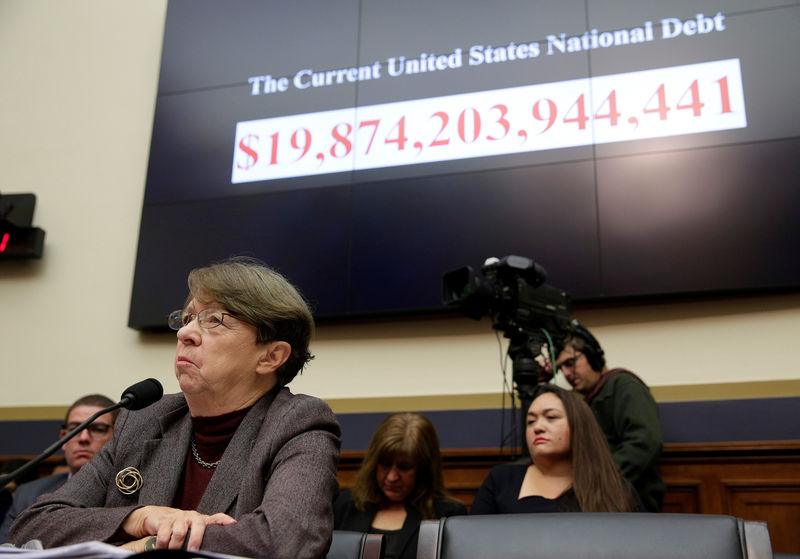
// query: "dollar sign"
[[250, 154]]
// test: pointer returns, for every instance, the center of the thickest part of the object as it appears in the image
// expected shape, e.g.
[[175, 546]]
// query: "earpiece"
[[592, 350]]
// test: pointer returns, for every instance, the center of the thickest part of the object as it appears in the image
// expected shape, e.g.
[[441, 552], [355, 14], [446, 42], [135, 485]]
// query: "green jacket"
[[628, 415]]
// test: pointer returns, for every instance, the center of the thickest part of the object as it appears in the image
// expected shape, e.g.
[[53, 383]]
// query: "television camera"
[[530, 313]]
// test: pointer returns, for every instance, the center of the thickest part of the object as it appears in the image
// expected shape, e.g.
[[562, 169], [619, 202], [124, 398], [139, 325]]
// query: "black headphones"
[[591, 349]]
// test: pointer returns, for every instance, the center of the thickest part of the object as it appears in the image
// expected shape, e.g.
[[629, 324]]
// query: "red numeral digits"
[[341, 140], [374, 124], [723, 93], [273, 160], [445, 119], [306, 142], [502, 122], [401, 138], [551, 113], [251, 155], [612, 113], [462, 125], [695, 105], [580, 107], [662, 108]]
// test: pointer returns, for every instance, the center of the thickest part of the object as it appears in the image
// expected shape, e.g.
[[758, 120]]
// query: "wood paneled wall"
[[754, 481]]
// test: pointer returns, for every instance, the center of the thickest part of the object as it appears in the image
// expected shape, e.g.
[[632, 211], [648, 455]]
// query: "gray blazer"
[[277, 478], [26, 494]]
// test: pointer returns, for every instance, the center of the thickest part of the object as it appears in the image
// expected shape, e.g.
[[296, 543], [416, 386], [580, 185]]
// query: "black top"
[[399, 544], [393, 541], [499, 494]]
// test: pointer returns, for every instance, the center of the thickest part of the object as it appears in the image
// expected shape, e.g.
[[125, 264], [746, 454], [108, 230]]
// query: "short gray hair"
[[256, 294]]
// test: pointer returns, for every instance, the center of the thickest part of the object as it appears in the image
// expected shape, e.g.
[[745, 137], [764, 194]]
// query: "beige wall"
[[78, 82]]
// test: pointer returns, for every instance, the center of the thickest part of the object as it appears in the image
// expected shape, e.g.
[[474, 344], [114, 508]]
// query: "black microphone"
[[135, 397], [142, 394]]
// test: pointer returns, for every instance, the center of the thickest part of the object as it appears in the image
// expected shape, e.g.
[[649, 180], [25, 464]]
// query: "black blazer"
[[348, 517]]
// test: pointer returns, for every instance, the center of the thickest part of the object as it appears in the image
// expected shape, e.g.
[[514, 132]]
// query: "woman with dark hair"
[[399, 484], [571, 468]]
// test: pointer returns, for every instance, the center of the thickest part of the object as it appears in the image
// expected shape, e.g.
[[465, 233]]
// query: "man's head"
[[581, 359], [83, 446]]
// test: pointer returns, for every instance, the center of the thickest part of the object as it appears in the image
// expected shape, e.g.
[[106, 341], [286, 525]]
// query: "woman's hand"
[[172, 526]]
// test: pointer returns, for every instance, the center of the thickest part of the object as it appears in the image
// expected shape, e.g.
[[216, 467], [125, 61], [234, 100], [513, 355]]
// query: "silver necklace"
[[209, 465]]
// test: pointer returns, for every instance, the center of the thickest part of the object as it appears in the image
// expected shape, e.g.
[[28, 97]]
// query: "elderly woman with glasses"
[[235, 463]]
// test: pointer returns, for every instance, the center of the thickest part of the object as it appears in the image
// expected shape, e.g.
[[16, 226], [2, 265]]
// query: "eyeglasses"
[[207, 318], [569, 364], [96, 430]]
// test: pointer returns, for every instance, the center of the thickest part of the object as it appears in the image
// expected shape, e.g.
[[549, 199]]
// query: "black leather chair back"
[[589, 535], [355, 545]]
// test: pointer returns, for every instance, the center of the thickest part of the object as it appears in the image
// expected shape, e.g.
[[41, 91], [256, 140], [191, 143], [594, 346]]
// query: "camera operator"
[[624, 408]]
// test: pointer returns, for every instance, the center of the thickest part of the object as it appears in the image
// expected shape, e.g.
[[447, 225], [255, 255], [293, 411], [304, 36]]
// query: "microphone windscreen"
[[142, 394]]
